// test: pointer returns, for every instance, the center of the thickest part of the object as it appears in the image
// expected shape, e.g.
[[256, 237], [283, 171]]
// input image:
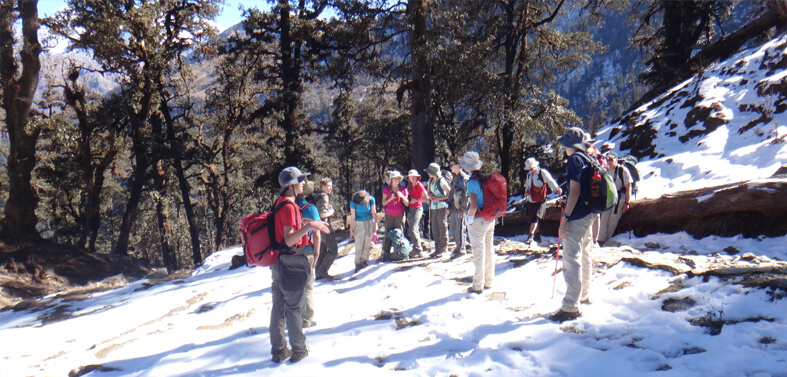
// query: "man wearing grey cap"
[[575, 228], [291, 273], [611, 217]]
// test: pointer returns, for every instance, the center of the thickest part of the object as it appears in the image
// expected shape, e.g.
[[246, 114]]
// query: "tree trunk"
[[18, 92], [183, 184], [135, 196], [422, 122], [750, 208], [167, 255]]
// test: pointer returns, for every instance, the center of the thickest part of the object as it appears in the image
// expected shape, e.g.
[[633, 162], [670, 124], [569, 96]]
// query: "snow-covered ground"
[[215, 322]]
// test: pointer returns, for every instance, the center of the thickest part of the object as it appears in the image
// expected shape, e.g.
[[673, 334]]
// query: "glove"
[[468, 219]]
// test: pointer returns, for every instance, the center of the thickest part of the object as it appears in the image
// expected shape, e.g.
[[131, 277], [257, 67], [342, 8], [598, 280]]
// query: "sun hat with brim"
[[360, 197], [308, 188], [433, 169], [290, 176], [395, 174], [575, 138], [471, 161], [413, 173], [531, 163]]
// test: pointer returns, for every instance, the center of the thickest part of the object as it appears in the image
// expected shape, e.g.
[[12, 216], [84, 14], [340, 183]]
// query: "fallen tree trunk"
[[750, 208]]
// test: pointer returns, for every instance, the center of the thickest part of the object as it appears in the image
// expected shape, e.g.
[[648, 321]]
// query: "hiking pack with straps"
[[459, 194], [630, 162], [597, 187], [400, 245], [495, 191], [258, 234], [538, 195]]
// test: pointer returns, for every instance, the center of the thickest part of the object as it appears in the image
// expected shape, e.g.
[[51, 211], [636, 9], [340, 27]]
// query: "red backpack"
[[258, 233], [495, 197]]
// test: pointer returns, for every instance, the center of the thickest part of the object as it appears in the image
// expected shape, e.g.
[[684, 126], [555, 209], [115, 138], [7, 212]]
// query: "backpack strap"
[[272, 226]]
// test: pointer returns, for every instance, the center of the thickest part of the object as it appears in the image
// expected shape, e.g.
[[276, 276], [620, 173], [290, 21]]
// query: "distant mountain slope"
[[724, 125]]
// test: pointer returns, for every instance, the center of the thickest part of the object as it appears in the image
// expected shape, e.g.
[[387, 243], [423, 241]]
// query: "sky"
[[415, 318], [230, 14]]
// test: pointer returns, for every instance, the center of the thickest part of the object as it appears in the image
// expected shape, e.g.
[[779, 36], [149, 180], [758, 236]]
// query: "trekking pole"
[[557, 255]]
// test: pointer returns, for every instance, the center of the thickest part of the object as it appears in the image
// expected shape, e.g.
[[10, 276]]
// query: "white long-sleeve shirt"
[[537, 181]]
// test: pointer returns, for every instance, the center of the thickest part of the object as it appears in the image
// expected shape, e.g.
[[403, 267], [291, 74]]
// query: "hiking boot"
[[299, 356], [585, 301], [562, 316], [529, 239], [326, 277], [436, 255], [309, 323], [416, 255], [537, 237], [281, 356], [472, 290]]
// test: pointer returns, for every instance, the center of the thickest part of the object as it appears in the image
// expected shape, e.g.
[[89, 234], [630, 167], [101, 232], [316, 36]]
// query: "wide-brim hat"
[[471, 161], [290, 176], [395, 174], [531, 163], [433, 169], [576, 138], [308, 188], [413, 173], [360, 197]]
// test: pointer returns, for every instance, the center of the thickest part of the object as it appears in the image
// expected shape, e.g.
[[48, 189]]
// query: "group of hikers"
[[455, 203]]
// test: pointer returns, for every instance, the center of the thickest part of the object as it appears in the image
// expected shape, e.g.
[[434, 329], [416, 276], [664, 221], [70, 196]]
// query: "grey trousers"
[[287, 309], [329, 250], [609, 221], [576, 261], [457, 228], [308, 308], [414, 228], [439, 224]]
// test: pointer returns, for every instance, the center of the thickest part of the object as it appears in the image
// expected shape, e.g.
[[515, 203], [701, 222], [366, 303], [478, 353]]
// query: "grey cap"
[[575, 138], [471, 161], [290, 176], [611, 155], [433, 169]]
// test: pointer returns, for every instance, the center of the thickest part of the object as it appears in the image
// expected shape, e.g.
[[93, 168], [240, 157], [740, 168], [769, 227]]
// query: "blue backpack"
[[400, 245]]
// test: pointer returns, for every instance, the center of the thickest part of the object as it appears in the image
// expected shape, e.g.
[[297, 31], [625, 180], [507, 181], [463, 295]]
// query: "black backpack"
[[597, 187]]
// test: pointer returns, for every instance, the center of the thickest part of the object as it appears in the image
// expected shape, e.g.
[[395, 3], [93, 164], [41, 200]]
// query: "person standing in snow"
[[480, 231], [575, 228], [363, 225], [329, 248], [417, 196], [536, 191], [394, 202], [438, 192], [458, 207], [611, 217], [290, 274], [309, 211]]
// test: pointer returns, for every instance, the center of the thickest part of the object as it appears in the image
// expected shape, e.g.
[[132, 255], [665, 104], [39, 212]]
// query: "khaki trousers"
[[482, 234], [576, 261]]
